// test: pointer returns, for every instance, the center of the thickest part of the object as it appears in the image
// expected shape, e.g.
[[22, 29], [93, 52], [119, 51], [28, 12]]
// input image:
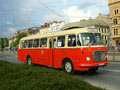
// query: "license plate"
[[101, 64]]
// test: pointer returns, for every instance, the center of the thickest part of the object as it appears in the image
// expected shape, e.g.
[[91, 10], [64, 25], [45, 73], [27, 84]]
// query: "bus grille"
[[99, 56]]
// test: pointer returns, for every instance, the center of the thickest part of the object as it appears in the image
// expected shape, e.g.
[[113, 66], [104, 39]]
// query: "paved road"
[[10, 57], [108, 77]]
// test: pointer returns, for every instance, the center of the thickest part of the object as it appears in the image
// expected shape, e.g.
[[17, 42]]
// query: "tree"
[[6, 42], [2, 43], [21, 35]]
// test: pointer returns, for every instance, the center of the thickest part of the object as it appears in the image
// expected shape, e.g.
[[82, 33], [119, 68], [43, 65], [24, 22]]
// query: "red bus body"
[[55, 57]]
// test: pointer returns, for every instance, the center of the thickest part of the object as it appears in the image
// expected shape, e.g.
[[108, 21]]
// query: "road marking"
[[112, 70]]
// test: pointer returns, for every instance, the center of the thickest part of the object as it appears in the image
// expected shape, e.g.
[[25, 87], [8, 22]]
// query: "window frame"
[[61, 43], [46, 45], [38, 43], [23, 42], [75, 40], [28, 43]]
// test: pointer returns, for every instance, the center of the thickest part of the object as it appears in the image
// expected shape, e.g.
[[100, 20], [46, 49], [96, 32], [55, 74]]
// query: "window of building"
[[115, 21], [36, 43], [99, 29], [105, 30], [71, 40], [105, 37], [24, 44], [61, 41], [30, 43], [102, 30], [43, 42], [117, 43], [115, 31], [116, 11]]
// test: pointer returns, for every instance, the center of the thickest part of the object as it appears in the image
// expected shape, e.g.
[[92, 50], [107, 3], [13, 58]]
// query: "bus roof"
[[71, 31]]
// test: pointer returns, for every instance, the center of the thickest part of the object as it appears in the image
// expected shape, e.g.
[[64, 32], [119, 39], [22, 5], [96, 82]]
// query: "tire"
[[68, 67], [29, 61], [93, 69]]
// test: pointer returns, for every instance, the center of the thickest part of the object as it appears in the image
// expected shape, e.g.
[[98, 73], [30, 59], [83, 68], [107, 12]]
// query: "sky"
[[17, 15]]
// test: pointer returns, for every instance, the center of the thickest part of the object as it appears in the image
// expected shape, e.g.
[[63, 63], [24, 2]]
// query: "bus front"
[[94, 51]]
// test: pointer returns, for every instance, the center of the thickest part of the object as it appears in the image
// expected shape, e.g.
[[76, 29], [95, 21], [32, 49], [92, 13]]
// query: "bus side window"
[[43, 42], [54, 43], [30, 43], [61, 41], [78, 41], [24, 44], [36, 43], [50, 43], [72, 40]]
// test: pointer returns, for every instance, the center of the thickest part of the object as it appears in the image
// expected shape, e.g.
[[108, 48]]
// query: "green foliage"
[[4, 42], [15, 43], [21, 35], [24, 77]]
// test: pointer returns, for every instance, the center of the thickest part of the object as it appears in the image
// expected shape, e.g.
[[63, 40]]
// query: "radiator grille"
[[99, 56]]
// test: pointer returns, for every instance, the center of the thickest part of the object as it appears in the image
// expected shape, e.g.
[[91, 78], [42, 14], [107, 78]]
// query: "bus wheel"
[[29, 61], [68, 67], [93, 69]]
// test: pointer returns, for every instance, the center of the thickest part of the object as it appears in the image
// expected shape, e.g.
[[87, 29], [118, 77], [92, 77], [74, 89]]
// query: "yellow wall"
[[114, 5]]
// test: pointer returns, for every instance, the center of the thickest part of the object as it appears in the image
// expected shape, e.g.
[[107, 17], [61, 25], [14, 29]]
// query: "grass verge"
[[24, 77]]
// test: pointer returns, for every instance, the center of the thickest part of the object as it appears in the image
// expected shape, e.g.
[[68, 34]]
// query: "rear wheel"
[[29, 61], [68, 67]]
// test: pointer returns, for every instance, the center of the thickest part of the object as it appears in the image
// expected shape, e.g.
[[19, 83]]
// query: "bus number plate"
[[101, 64]]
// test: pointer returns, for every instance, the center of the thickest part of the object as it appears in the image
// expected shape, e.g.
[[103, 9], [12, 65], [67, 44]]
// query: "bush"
[[24, 77]]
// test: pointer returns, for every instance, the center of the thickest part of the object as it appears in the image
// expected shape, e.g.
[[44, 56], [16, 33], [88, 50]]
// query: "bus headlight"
[[87, 58]]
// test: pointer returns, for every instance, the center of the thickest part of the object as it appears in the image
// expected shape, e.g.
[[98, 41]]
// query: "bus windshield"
[[90, 39]]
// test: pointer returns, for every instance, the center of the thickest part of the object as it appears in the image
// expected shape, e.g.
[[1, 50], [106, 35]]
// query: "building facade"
[[51, 27], [114, 9], [104, 17]]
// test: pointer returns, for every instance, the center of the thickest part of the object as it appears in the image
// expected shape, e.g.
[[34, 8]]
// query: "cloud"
[[93, 3], [11, 29], [8, 22], [10, 32], [26, 9], [74, 14], [86, 9], [22, 14]]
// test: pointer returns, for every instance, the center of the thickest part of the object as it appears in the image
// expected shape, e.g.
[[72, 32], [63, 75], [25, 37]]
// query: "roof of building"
[[85, 23], [50, 23]]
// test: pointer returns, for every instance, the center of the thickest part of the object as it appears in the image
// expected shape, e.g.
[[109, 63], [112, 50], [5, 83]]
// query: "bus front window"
[[90, 39]]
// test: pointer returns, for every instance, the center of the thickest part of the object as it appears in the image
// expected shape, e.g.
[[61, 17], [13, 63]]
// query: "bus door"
[[52, 46]]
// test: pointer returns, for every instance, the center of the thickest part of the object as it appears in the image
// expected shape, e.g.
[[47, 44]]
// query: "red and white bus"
[[77, 49]]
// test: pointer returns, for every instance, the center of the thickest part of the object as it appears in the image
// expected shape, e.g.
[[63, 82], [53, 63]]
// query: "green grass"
[[24, 77]]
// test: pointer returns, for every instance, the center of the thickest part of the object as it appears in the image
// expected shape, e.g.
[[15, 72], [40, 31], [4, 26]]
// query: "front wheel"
[[68, 67], [29, 61]]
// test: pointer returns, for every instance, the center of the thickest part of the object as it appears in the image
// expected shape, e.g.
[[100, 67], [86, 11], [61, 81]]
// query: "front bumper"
[[95, 64]]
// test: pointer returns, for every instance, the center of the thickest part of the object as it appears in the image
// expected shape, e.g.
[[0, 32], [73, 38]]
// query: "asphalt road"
[[108, 77]]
